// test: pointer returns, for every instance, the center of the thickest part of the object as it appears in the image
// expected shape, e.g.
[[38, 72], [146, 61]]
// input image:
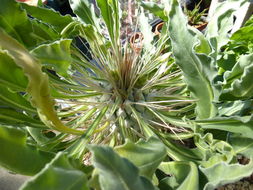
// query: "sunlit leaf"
[[55, 55], [38, 86], [15, 22], [146, 155], [234, 124], [238, 83], [242, 146], [18, 156], [182, 175], [198, 69], [116, 173], [224, 173]]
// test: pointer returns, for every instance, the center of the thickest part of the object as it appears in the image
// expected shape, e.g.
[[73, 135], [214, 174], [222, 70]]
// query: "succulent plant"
[[111, 95]]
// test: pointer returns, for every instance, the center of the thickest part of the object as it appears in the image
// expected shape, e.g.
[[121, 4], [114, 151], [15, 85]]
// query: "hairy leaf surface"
[[198, 68], [238, 81], [233, 172], [146, 155], [116, 173]]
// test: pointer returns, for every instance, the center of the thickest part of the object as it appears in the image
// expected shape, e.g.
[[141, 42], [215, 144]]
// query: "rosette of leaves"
[[66, 99], [56, 98]]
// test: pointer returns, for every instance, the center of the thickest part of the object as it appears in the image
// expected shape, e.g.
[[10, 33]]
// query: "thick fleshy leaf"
[[213, 150], [60, 173], [222, 22], [233, 108], [244, 33], [44, 31], [238, 81], [19, 157], [234, 124], [198, 68], [49, 16], [38, 86], [16, 23], [156, 9], [182, 153], [184, 175], [224, 173], [31, 32], [16, 80], [146, 155], [116, 173], [56, 55], [242, 145]]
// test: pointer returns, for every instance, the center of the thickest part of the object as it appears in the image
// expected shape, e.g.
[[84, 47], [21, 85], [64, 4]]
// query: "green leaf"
[[146, 155], [234, 124], [198, 69], [223, 173], [14, 20], [49, 16], [184, 175], [154, 8], [146, 30], [19, 157], [60, 173], [227, 61], [110, 11], [56, 55], [85, 12], [238, 81], [243, 34], [213, 150], [182, 153], [9, 116], [249, 22], [78, 149], [116, 173], [44, 31], [15, 100], [38, 86], [11, 75], [234, 108], [222, 22], [96, 40], [241, 42], [38, 135], [242, 145]]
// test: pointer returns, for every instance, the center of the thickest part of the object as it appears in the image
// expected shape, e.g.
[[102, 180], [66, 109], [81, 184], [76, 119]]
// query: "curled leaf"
[[38, 86]]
